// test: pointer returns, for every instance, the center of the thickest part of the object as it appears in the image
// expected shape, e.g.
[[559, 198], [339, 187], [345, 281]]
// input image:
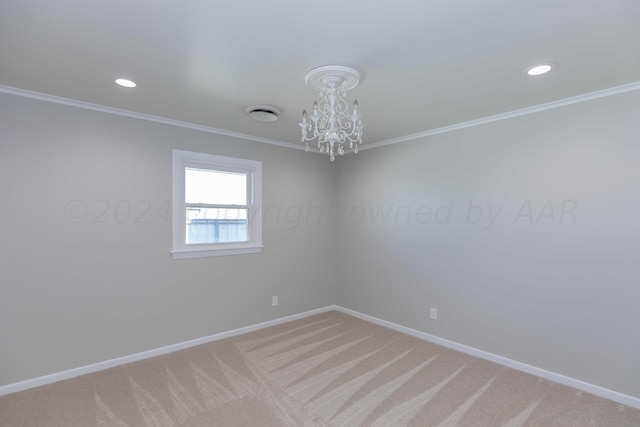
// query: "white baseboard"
[[543, 373], [100, 366], [634, 402]]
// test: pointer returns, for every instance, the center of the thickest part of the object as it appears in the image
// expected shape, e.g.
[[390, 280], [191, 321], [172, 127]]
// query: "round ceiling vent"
[[263, 113]]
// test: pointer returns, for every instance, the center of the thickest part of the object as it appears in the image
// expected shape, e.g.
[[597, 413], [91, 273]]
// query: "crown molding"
[[508, 115], [148, 117], [463, 125]]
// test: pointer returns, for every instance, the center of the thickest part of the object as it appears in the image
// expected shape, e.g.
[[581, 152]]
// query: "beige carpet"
[[325, 370]]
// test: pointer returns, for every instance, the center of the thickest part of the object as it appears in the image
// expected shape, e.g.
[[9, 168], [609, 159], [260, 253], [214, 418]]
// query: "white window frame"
[[253, 169]]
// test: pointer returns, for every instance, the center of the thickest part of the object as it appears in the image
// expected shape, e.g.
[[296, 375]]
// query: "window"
[[216, 205]]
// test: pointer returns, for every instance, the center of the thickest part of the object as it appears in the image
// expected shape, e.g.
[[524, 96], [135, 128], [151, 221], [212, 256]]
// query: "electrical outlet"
[[433, 313], [274, 300]]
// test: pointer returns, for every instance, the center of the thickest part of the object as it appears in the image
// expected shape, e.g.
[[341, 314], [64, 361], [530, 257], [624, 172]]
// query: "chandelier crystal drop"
[[331, 122]]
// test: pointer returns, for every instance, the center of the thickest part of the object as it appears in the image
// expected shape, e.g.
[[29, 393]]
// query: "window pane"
[[216, 225], [215, 187]]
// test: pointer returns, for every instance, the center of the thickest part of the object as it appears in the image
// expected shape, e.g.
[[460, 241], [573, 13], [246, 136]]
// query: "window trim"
[[253, 168]]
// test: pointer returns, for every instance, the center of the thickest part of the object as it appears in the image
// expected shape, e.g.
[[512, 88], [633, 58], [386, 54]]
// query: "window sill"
[[202, 253]]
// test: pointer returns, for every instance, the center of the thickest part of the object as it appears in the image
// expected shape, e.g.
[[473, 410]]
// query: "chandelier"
[[331, 122]]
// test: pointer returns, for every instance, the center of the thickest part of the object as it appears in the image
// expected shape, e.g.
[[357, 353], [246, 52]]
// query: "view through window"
[[216, 206]]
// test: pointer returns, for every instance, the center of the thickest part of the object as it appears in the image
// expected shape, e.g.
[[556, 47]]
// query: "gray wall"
[[546, 290], [75, 291], [556, 291]]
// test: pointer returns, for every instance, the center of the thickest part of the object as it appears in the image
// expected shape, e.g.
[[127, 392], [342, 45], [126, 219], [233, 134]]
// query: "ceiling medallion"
[[331, 122]]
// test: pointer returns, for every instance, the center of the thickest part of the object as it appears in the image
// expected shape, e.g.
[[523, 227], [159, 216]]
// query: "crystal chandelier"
[[331, 122]]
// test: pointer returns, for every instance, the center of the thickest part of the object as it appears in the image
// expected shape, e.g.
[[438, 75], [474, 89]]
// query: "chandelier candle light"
[[331, 121]]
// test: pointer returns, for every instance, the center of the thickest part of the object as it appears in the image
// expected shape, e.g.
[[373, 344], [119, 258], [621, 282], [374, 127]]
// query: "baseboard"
[[100, 366], [631, 401], [543, 373]]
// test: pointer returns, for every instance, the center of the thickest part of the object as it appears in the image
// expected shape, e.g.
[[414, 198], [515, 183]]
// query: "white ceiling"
[[425, 63]]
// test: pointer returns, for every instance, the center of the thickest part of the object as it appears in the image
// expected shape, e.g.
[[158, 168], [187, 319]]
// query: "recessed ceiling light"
[[540, 69], [263, 113], [126, 83]]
